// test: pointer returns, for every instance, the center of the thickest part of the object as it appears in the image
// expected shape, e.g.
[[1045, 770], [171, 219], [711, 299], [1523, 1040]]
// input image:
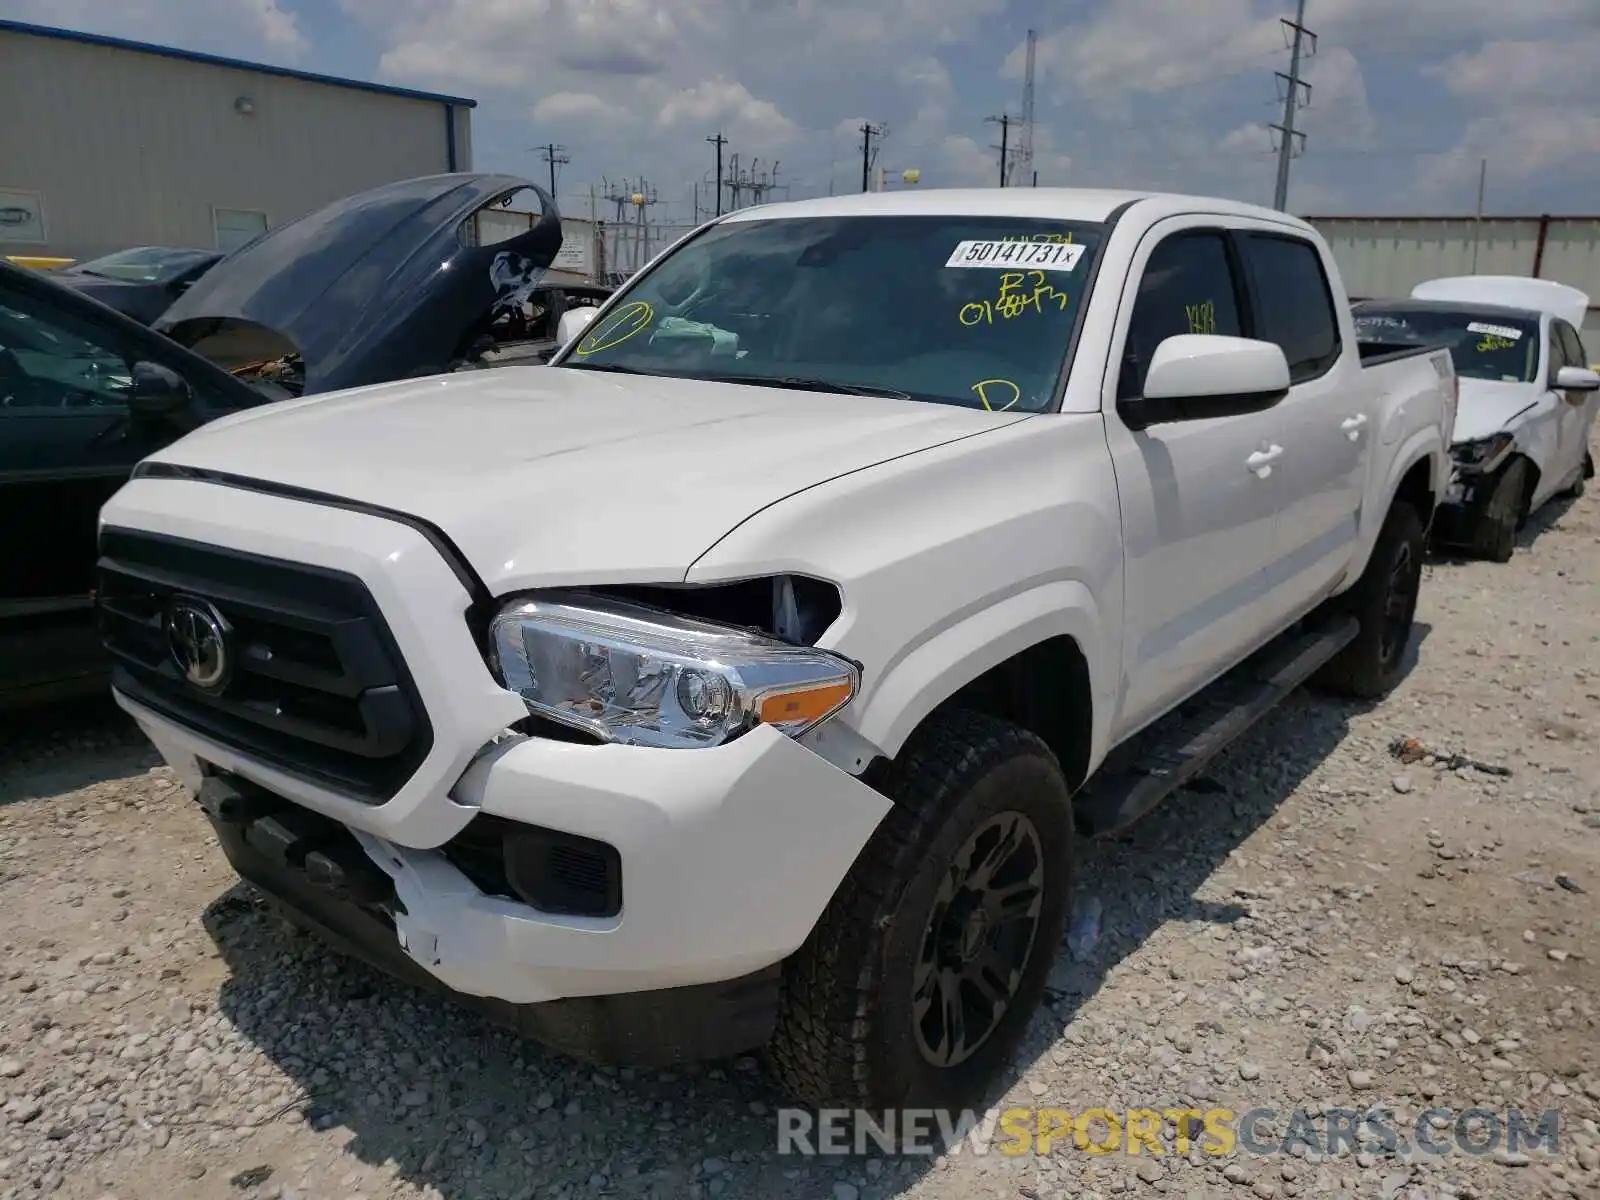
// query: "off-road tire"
[[1369, 666], [845, 1035], [1494, 536]]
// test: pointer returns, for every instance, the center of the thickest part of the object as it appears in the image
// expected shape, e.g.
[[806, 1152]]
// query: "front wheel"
[[1384, 602], [1495, 536], [918, 982]]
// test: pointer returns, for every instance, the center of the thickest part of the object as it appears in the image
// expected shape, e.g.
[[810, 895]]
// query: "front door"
[[1199, 498], [1577, 409]]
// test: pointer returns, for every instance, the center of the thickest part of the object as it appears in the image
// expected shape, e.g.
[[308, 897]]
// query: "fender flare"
[[1425, 444], [945, 659]]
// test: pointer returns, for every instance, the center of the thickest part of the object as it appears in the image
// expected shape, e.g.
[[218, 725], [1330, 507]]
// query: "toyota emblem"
[[197, 637]]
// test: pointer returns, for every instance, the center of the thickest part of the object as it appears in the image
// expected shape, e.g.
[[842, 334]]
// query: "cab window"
[[1188, 287]]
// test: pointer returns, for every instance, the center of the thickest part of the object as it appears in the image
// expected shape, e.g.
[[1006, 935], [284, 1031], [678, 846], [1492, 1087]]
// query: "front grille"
[[317, 688]]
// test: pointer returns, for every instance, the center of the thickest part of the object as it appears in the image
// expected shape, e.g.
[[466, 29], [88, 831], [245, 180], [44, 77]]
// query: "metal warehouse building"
[[1388, 256], [109, 143]]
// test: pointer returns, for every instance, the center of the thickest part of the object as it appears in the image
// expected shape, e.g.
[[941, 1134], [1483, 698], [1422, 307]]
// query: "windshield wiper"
[[802, 384], [588, 366]]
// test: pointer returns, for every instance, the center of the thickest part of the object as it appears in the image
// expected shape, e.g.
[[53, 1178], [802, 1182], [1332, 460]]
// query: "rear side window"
[[1293, 303], [1188, 287]]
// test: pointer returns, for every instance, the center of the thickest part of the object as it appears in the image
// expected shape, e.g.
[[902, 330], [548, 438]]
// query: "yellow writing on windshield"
[[1202, 317], [1019, 291], [1002, 388], [1060, 238], [1491, 342], [617, 328]]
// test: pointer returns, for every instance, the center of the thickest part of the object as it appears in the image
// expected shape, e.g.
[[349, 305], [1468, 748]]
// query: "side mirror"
[[573, 322], [1577, 379], [158, 393], [1198, 376]]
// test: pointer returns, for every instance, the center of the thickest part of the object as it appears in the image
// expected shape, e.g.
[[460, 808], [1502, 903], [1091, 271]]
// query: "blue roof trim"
[[238, 64]]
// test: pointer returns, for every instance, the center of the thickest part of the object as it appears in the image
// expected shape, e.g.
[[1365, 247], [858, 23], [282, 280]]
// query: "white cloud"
[[1155, 46], [1339, 114], [571, 109], [1517, 145], [248, 29], [1526, 72]]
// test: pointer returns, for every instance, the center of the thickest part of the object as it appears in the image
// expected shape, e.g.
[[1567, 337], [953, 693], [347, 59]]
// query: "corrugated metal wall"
[[127, 148], [1388, 256]]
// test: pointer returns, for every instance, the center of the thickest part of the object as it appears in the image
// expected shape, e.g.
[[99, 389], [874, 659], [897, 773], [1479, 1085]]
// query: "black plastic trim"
[[1109, 225], [330, 698], [437, 538]]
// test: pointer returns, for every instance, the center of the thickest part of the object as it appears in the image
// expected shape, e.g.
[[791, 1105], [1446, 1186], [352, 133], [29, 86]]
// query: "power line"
[[556, 156], [1303, 46], [1005, 123], [719, 142], [868, 131]]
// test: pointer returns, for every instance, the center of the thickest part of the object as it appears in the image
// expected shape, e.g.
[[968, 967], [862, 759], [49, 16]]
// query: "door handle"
[[1261, 461], [1352, 425]]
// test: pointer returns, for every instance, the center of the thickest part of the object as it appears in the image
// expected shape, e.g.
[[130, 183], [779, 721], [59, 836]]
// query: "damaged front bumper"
[[618, 903]]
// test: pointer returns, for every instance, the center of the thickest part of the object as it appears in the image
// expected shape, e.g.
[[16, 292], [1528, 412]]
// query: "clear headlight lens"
[[631, 674], [1483, 454]]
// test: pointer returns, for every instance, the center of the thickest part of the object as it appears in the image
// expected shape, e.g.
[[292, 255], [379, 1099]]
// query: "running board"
[[1168, 754]]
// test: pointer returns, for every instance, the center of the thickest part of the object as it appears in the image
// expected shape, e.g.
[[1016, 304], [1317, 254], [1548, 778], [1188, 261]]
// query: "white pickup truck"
[[747, 676]]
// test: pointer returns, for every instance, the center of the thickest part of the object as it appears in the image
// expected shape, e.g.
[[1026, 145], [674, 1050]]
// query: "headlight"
[[1484, 454], [631, 674]]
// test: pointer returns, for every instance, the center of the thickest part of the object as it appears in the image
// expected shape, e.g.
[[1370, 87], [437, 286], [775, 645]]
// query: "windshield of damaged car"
[[145, 264], [973, 311], [1483, 345]]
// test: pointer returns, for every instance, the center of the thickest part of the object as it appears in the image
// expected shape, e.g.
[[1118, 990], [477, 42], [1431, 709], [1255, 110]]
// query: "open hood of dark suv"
[[382, 285]]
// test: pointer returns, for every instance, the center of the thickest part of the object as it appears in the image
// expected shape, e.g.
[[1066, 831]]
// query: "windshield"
[[145, 264], [1501, 348], [972, 311]]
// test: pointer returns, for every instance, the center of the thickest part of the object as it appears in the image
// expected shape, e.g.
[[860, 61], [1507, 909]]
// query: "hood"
[[1488, 406], [378, 286], [556, 476], [1510, 291]]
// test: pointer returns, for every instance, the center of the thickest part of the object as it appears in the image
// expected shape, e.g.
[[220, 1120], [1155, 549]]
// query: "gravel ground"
[[1314, 925]]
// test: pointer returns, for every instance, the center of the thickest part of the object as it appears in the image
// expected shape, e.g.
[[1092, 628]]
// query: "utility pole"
[[1303, 46], [1477, 228], [556, 156], [868, 132], [719, 142], [1004, 121]]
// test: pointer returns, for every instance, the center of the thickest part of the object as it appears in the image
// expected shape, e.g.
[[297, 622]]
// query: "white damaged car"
[[1528, 396]]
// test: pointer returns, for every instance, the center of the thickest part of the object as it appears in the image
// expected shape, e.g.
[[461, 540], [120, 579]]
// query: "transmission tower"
[[1296, 95], [1021, 166]]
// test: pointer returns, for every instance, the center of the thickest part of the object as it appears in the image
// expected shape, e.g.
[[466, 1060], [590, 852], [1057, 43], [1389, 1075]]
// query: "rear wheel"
[[1495, 534], [1384, 602], [920, 979]]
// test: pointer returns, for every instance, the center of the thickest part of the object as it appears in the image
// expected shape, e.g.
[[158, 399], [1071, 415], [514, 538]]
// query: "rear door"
[[1327, 418]]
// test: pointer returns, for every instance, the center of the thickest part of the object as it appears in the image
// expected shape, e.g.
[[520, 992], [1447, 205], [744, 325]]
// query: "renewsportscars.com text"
[[1134, 1131]]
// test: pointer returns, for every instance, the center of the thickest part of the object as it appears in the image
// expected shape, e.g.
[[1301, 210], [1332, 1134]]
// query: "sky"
[[1409, 98]]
